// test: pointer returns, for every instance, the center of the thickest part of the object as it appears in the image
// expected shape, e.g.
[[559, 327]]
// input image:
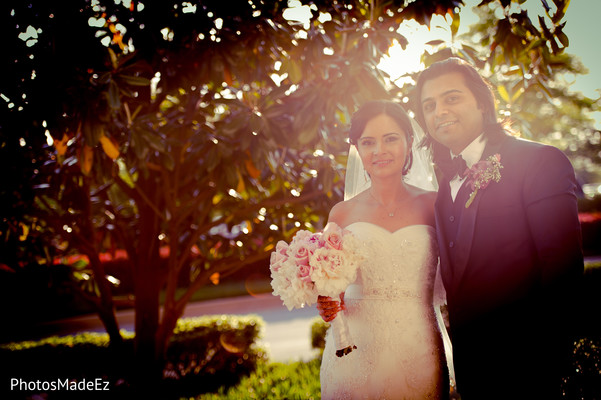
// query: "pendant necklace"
[[390, 213]]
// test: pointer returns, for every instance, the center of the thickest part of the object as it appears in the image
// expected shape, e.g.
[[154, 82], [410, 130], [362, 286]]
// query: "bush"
[[298, 380], [210, 352], [583, 378], [205, 353], [74, 357], [318, 333]]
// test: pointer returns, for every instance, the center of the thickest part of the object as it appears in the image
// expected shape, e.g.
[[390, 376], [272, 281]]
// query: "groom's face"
[[451, 112]]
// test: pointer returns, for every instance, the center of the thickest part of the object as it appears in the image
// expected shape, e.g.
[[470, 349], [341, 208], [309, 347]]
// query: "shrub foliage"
[[204, 354]]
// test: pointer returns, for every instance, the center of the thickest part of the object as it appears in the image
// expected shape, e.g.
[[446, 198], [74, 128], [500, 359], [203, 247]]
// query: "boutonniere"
[[482, 173]]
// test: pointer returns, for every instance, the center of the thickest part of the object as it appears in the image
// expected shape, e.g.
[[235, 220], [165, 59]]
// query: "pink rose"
[[274, 263], [282, 248], [304, 272], [279, 256], [332, 236], [333, 240], [483, 172], [306, 239], [301, 255]]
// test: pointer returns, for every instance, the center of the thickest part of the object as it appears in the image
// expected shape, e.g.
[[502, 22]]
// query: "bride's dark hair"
[[372, 109]]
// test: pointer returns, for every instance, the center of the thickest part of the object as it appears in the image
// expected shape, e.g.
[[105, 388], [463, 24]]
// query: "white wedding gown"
[[391, 319]]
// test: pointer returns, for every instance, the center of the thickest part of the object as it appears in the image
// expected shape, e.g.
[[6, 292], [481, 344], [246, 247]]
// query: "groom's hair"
[[372, 109]]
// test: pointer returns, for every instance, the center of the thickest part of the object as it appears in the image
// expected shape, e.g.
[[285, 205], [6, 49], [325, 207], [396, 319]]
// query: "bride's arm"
[[328, 307], [338, 214]]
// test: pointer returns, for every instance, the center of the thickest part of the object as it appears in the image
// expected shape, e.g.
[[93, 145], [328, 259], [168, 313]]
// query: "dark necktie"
[[457, 167]]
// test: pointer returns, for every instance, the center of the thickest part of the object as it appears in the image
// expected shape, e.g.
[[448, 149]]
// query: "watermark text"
[[98, 384]]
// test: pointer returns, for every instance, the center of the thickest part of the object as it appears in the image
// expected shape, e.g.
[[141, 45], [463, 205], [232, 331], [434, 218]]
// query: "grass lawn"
[[297, 380]]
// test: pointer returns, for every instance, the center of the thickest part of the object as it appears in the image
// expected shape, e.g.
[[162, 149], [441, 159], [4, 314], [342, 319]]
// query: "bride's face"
[[383, 147]]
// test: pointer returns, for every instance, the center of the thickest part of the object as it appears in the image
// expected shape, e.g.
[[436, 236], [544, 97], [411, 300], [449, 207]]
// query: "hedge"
[[204, 354]]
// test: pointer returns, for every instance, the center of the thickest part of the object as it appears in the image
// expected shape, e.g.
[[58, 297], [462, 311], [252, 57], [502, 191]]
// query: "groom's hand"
[[328, 308]]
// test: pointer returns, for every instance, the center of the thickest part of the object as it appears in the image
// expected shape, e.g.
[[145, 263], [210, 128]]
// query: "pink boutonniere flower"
[[482, 173]]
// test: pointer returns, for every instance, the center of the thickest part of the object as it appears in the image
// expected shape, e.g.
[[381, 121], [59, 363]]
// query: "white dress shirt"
[[471, 154]]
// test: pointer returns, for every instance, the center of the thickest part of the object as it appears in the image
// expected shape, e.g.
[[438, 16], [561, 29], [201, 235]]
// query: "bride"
[[390, 307]]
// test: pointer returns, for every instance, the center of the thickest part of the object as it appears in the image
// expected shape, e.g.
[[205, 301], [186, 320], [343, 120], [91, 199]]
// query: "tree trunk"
[[104, 305], [106, 312], [148, 364], [147, 287]]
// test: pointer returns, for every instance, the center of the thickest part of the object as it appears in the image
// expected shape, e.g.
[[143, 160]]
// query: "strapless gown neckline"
[[401, 229]]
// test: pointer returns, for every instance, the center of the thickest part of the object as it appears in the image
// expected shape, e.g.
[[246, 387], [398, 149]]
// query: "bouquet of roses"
[[316, 264]]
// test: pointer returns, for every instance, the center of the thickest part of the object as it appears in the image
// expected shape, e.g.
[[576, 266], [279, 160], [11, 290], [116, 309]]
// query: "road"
[[287, 334]]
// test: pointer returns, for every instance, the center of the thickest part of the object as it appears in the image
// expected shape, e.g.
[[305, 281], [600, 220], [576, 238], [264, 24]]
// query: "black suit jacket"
[[509, 263]]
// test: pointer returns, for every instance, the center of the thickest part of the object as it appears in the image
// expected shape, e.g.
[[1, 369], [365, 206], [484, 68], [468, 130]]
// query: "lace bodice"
[[397, 264]]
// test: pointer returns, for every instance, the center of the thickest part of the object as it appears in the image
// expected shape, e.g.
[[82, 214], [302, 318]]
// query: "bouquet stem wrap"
[[342, 338]]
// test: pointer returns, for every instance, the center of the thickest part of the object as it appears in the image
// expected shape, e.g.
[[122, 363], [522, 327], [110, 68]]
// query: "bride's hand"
[[328, 308]]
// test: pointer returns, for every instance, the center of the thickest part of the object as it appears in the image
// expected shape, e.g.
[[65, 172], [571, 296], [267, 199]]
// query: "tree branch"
[[138, 195]]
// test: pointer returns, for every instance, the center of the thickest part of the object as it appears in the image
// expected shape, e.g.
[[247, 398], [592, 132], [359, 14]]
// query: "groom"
[[510, 251]]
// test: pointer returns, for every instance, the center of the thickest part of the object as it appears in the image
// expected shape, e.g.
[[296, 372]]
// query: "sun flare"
[[399, 61]]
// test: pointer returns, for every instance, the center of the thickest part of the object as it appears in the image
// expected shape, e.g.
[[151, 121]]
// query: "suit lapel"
[[469, 217], [465, 231]]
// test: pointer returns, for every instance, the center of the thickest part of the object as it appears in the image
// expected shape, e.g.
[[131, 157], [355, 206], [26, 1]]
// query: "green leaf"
[[517, 94], [256, 123], [435, 42], [167, 160], [295, 72], [309, 132], [234, 125], [543, 25], [124, 173], [153, 139], [104, 78], [212, 160], [113, 98], [562, 8], [92, 131], [455, 24], [535, 44], [135, 80], [114, 59], [503, 93], [563, 38]]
